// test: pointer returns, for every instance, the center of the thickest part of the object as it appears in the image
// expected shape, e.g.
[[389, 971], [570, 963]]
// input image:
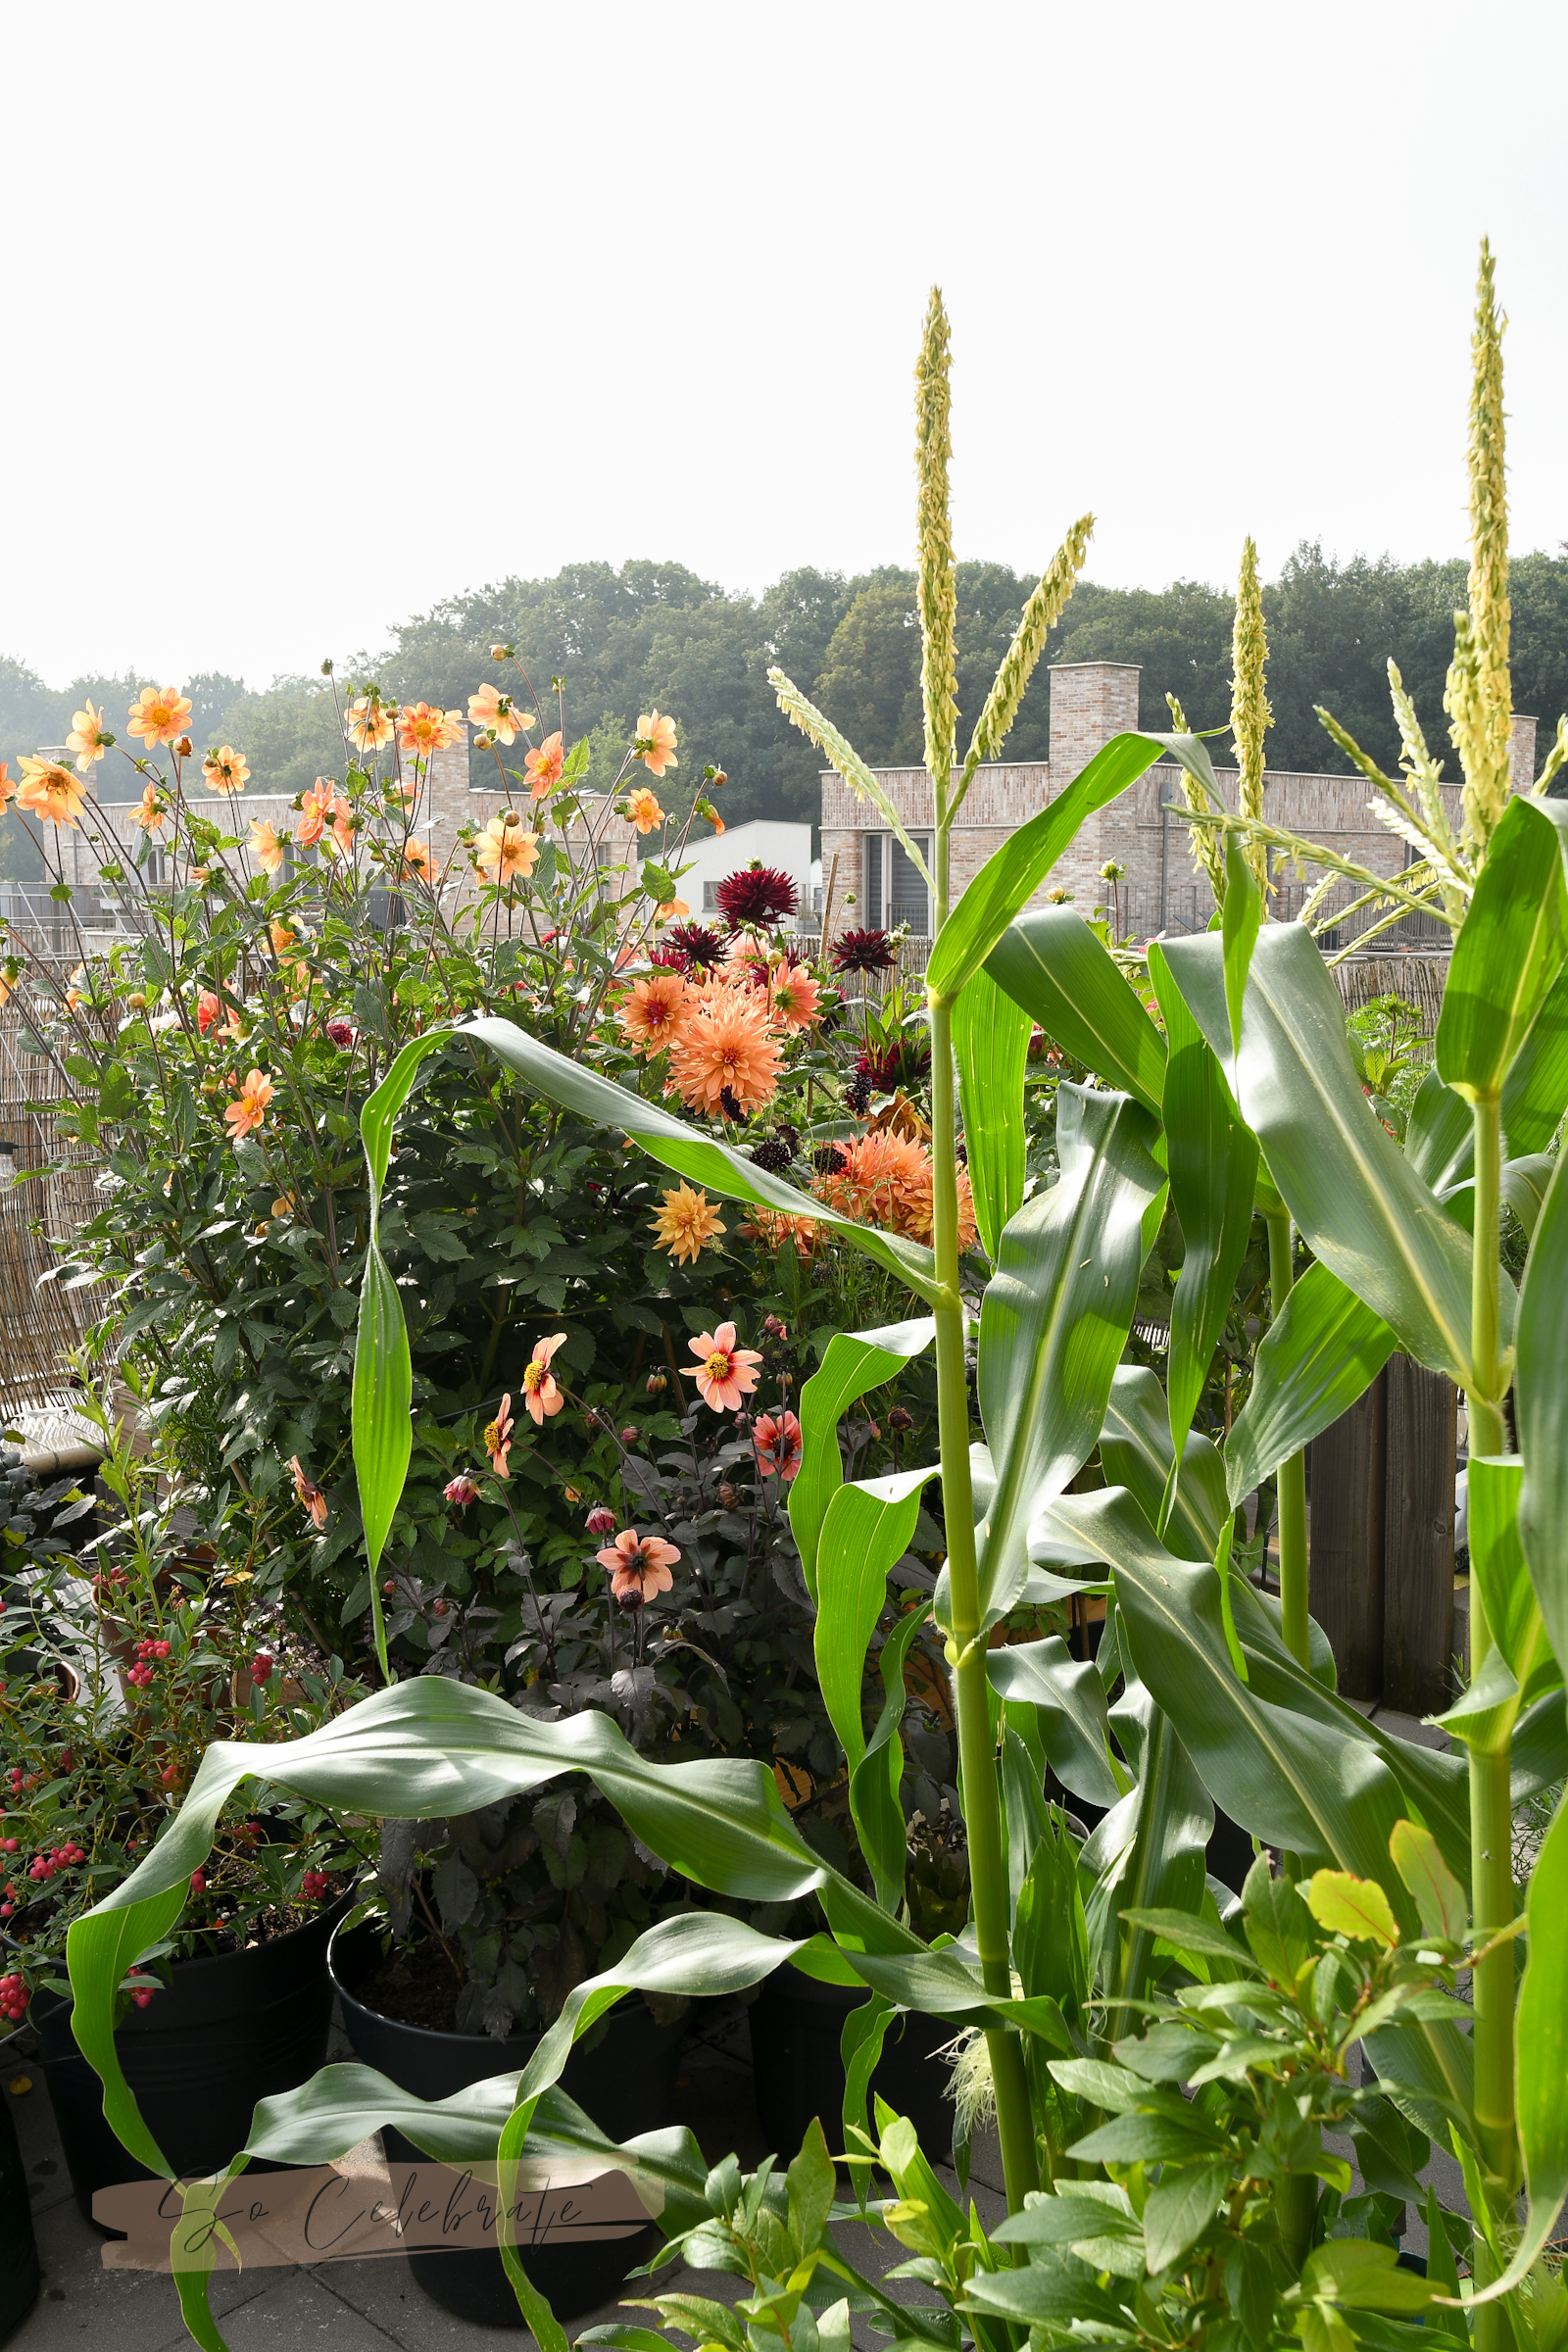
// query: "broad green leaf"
[[1166, 1822], [1439, 1137], [1438, 1896], [868, 1527], [1320, 1354], [1292, 1780], [1134, 1452], [1354, 1196], [1500, 1577], [1051, 965], [1350, 1906], [1071, 1701], [1542, 2042], [1212, 1159], [1509, 953], [1535, 1093], [1524, 1186], [1363, 2276], [810, 2189], [990, 1040], [1540, 1407], [1055, 1321], [700, 1158], [1011, 877], [855, 1362], [1180, 2208], [875, 1781]]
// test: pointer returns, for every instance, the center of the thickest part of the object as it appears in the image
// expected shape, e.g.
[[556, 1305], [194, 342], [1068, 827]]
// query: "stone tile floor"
[[355, 2305]]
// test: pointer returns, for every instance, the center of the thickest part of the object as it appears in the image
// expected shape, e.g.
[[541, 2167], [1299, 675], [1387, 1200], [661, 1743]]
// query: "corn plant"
[[1135, 2214]]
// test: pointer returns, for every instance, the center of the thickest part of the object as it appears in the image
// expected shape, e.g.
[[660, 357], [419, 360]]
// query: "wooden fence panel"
[[1422, 1436], [1346, 1474]]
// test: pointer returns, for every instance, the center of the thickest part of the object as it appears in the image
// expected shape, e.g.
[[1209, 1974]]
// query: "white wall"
[[787, 847]]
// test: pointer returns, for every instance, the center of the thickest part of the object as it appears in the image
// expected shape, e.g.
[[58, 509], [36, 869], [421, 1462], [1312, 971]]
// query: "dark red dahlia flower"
[[758, 894], [863, 951]]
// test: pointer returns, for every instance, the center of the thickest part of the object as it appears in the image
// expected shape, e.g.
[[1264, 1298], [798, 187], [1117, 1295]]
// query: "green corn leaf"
[[1052, 965], [1440, 1136], [854, 1362], [1354, 1196], [1320, 1354], [1500, 1576], [1541, 1407], [1166, 1820], [1011, 877], [1070, 1702], [1543, 2040], [1213, 1172], [1055, 1321], [868, 1527], [990, 1040], [1510, 951], [1134, 1452], [699, 1158], [875, 1781], [1535, 1093]]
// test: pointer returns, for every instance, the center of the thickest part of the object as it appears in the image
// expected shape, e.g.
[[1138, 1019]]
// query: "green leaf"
[[1071, 1703], [1134, 1452], [1363, 2277], [1438, 1896], [116, 1096], [1322, 1352], [868, 1527], [1051, 965], [1180, 2207], [1543, 2042], [1350, 1906], [658, 882], [1540, 1407], [1510, 950], [991, 1039], [1535, 1093], [1011, 877], [1499, 1573], [1055, 1321], [855, 1362], [1163, 1829], [717, 1166], [875, 1781], [809, 2187], [1439, 1137], [1524, 1186], [1213, 1172], [382, 1420], [1354, 1196]]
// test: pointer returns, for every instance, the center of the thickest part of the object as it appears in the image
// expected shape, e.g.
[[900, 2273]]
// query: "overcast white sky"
[[318, 312]]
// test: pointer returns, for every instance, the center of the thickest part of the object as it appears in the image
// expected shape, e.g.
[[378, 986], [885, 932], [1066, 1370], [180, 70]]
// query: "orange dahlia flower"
[[151, 811], [225, 770], [639, 1566], [642, 806], [316, 810], [725, 1048], [424, 727], [506, 848], [87, 738], [496, 714], [686, 1224], [158, 714], [794, 995], [50, 791], [265, 845], [249, 1110], [654, 744], [539, 1390], [655, 1014], [368, 722], [543, 768]]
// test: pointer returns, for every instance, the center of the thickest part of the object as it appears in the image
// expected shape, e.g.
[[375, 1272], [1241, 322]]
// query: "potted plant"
[[120, 1670]]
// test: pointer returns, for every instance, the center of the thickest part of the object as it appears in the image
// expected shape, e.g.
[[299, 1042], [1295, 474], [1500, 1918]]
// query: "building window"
[[894, 893]]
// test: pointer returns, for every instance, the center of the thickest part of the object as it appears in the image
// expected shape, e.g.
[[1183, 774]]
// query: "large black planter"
[[223, 2034], [796, 2024], [626, 2082], [19, 2249]]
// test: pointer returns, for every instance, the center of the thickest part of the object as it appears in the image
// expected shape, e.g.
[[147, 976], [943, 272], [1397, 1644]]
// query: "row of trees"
[[650, 633]]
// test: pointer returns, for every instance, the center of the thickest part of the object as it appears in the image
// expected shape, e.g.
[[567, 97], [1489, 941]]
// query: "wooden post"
[[1346, 1472], [1418, 1539]]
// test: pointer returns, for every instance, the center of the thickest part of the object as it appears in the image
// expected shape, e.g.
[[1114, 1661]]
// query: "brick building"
[[1090, 702]]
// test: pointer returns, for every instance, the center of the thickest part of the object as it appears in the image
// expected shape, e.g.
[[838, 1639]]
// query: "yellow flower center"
[[492, 1437], [718, 1365]]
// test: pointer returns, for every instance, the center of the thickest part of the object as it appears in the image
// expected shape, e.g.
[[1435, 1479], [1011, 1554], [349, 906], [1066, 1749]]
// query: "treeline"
[[655, 633]]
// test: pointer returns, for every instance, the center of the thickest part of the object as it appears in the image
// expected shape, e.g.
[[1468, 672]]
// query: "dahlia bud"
[[657, 1384], [729, 1497], [717, 776], [462, 1490], [390, 1586], [774, 1329], [600, 1520], [628, 1437], [501, 652], [343, 1033], [900, 1421], [184, 748]]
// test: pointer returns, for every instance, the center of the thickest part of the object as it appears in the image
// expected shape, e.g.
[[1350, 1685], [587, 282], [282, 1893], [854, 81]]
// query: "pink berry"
[[142, 2000], [198, 1882], [261, 1666]]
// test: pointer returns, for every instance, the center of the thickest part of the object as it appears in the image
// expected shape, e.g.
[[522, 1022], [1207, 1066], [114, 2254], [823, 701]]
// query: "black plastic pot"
[[223, 2034], [19, 2249], [796, 2024], [626, 2083]]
